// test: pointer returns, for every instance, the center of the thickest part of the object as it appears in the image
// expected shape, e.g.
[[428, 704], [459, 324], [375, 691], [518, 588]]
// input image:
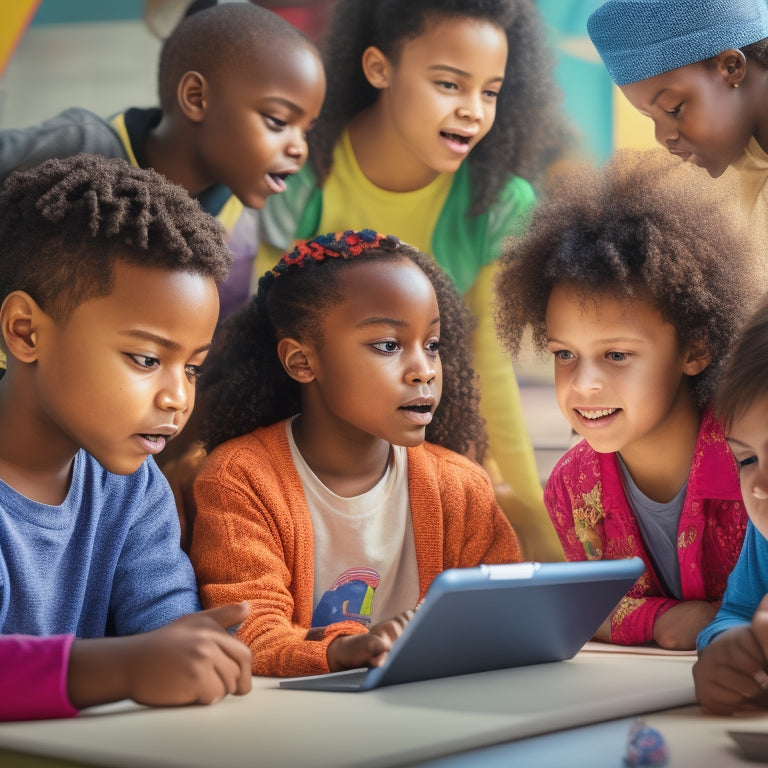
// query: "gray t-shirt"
[[658, 523]]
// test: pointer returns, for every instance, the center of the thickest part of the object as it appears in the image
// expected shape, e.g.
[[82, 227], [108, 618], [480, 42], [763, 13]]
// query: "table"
[[395, 726]]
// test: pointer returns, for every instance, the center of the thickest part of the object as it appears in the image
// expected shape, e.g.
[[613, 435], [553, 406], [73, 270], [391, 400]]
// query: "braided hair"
[[243, 385], [64, 223], [529, 130]]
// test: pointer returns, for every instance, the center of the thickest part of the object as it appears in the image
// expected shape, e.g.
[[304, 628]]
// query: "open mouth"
[[456, 138], [276, 182], [598, 414], [417, 408]]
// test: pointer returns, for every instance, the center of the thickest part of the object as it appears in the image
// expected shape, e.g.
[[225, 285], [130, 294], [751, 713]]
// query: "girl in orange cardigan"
[[321, 503]]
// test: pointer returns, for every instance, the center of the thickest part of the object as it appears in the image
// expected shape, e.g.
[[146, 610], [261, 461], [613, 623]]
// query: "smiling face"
[[376, 372], [438, 96], [698, 114], [118, 378], [619, 370], [748, 439], [252, 135]]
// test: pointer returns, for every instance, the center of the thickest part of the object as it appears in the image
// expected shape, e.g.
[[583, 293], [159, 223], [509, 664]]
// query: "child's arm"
[[192, 660], [730, 674], [252, 540]]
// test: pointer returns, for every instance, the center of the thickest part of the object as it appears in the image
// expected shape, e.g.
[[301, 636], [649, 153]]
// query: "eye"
[[675, 110], [563, 354], [617, 357], [388, 347], [145, 361], [446, 85], [433, 347], [192, 371], [745, 462], [489, 94], [274, 123]]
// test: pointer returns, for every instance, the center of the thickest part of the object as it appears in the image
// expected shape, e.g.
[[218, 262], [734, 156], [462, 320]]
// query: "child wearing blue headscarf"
[[699, 70]]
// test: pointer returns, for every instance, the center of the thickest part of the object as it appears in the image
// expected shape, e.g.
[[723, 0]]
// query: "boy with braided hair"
[[108, 291]]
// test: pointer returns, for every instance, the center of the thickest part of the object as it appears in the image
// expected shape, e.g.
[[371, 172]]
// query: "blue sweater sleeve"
[[154, 582], [747, 585]]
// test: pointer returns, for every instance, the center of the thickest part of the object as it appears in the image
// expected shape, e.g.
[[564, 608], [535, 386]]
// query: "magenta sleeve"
[[33, 677]]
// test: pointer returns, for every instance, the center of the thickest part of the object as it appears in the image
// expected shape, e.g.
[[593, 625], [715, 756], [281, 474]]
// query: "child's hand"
[[730, 673], [678, 628], [369, 649], [192, 660]]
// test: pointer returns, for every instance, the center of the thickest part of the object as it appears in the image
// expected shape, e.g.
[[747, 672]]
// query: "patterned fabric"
[[586, 502]]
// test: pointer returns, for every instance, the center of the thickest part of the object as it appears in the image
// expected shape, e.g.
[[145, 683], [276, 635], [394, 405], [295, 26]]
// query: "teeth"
[[596, 414], [151, 438]]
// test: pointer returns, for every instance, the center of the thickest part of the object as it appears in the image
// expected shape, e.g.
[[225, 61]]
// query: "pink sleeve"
[[33, 677]]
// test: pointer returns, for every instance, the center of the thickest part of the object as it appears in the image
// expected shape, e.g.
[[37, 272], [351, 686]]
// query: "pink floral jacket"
[[586, 502]]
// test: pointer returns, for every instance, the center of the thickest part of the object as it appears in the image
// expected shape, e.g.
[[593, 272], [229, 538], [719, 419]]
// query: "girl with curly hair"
[[320, 502], [637, 286], [439, 120]]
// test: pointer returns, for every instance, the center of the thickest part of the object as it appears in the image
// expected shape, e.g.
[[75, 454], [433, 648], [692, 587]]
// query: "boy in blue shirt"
[[108, 284]]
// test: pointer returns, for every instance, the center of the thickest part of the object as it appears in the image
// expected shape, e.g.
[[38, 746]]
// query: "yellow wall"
[[630, 128], [15, 15]]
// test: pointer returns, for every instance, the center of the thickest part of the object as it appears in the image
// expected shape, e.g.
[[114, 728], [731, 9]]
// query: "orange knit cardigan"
[[253, 540]]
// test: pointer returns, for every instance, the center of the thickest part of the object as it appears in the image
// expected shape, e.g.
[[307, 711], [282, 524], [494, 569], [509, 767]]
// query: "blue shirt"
[[107, 561], [747, 585]]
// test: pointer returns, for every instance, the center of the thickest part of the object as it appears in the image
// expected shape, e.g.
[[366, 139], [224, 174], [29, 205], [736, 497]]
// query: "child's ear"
[[732, 66], [376, 67], [18, 322], [294, 360], [192, 95], [698, 358]]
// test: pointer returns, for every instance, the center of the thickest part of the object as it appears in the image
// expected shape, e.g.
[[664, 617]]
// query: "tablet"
[[493, 617]]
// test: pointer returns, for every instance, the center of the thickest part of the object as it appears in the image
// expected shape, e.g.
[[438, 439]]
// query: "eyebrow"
[[160, 340], [295, 108], [461, 72], [614, 340], [389, 321], [658, 93]]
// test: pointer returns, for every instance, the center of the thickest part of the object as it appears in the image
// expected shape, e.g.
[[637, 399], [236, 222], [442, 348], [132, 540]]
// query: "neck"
[[383, 158], [170, 150], [346, 461], [660, 463], [35, 458]]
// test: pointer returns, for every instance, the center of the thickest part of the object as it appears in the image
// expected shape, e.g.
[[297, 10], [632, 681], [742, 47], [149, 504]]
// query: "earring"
[[736, 85]]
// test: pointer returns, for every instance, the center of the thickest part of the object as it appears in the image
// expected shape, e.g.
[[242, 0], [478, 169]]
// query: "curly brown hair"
[[65, 222], [529, 129], [244, 386], [642, 226]]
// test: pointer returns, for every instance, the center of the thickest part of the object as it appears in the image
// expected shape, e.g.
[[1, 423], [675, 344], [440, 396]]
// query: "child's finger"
[[228, 615]]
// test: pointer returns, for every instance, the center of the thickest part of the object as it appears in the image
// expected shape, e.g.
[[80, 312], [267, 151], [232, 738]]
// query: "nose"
[[296, 147], [422, 368], [175, 393], [471, 107], [666, 131], [586, 378]]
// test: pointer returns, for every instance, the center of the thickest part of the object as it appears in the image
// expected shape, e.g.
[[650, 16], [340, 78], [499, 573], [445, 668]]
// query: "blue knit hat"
[[638, 39]]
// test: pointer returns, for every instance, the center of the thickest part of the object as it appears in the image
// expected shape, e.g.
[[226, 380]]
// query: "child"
[[732, 671], [637, 285], [108, 286], [699, 70], [416, 88], [321, 504], [238, 89]]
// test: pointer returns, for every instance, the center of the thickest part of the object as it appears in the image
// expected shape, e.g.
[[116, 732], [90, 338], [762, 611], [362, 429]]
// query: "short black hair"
[[65, 222], [644, 227], [221, 39]]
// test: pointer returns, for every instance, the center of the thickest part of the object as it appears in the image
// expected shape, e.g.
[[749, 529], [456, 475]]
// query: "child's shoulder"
[[446, 461]]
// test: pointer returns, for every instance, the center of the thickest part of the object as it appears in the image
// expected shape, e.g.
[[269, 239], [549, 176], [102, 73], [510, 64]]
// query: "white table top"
[[399, 725]]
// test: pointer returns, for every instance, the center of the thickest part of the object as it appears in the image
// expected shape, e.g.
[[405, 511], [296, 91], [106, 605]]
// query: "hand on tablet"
[[368, 649], [192, 660]]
